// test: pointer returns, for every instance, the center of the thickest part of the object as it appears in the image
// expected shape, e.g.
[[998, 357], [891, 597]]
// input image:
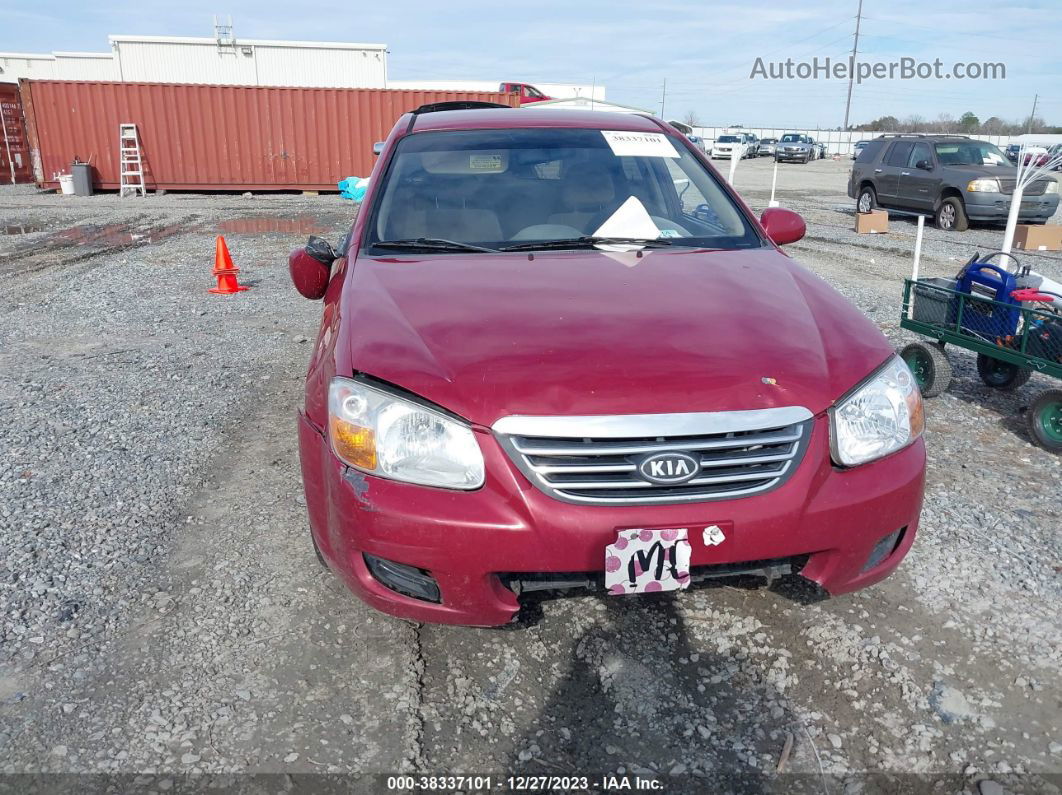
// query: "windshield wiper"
[[432, 243], [588, 241]]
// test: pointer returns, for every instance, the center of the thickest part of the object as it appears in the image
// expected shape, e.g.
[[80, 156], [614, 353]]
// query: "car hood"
[[974, 172], [588, 332]]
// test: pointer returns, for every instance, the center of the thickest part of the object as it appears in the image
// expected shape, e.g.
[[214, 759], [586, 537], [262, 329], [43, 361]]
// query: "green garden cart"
[[1015, 331]]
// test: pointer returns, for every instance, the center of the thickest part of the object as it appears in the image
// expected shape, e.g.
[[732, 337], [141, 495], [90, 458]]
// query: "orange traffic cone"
[[225, 271]]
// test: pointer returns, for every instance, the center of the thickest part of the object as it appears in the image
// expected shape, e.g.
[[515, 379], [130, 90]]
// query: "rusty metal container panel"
[[205, 137], [14, 143]]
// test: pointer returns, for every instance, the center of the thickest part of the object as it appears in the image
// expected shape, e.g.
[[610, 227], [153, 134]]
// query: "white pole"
[[918, 248], [917, 260], [774, 182], [734, 157], [1012, 217]]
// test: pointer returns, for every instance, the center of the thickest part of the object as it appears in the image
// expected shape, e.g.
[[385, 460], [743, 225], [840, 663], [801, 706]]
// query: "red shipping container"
[[14, 145], [204, 137]]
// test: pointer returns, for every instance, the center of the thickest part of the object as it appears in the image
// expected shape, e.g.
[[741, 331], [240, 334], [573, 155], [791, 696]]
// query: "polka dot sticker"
[[648, 561]]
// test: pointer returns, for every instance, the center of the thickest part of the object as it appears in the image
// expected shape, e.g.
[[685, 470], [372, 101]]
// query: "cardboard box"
[[1030, 237], [874, 222]]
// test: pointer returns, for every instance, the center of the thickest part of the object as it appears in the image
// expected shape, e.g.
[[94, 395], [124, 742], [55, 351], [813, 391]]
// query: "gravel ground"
[[162, 611]]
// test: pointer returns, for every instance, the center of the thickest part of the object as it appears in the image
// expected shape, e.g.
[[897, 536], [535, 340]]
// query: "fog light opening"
[[406, 580], [884, 549]]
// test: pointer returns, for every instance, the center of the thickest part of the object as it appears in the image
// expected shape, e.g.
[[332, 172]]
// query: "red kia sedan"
[[559, 352]]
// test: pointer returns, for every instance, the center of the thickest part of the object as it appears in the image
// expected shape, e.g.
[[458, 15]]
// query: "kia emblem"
[[669, 469]]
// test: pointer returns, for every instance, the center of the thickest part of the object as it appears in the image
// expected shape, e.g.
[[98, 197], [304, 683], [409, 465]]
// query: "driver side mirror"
[[782, 226], [310, 267], [925, 165]]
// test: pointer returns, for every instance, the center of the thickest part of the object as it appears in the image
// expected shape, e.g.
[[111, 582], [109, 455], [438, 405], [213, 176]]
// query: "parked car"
[[725, 144], [767, 146], [858, 147], [1012, 151], [753, 148], [504, 396], [794, 146], [528, 93], [1036, 155], [819, 147], [697, 141], [955, 178]]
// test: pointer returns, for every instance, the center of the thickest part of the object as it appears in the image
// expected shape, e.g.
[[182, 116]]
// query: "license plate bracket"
[[648, 561]]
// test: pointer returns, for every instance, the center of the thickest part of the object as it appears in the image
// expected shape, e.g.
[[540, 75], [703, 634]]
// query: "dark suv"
[[956, 178]]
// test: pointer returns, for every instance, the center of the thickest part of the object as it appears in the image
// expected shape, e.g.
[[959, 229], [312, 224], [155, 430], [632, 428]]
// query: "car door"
[[918, 187], [887, 172]]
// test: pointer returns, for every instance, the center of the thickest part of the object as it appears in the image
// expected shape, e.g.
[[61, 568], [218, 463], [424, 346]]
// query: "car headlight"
[[983, 185], [383, 434], [881, 416], [1052, 186]]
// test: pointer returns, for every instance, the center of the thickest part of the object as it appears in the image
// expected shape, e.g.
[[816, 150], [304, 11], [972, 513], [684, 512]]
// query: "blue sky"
[[705, 49]]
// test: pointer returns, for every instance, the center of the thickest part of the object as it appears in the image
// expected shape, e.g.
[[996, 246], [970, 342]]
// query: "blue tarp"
[[353, 188]]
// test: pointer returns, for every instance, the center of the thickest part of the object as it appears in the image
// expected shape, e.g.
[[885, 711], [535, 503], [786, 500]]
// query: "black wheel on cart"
[[1001, 375], [1044, 419], [930, 366]]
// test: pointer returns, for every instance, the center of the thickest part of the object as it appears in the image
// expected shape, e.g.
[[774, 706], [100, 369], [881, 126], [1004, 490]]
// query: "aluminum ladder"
[[131, 164]]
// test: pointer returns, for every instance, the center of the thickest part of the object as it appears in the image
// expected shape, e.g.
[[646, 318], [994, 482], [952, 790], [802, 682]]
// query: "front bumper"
[[467, 540], [780, 155], [996, 206]]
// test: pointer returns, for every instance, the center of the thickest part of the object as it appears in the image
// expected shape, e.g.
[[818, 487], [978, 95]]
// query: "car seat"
[[588, 194]]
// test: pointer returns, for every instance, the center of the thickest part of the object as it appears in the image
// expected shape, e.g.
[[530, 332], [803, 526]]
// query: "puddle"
[[115, 235], [300, 225], [20, 229]]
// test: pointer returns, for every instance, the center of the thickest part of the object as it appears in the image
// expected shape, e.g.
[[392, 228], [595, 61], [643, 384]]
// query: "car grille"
[[770, 569], [740, 454], [1036, 189]]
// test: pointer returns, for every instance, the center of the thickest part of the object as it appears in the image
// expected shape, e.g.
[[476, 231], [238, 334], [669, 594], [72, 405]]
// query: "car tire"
[[1001, 375], [807, 158], [1044, 420], [930, 366], [951, 216], [866, 199]]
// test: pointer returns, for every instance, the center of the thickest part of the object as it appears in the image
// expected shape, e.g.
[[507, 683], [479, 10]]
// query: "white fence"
[[837, 141]]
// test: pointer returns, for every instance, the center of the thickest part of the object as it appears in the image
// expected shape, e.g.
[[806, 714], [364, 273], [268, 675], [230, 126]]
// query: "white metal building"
[[176, 59], [57, 66], [559, 90], [582, 103]]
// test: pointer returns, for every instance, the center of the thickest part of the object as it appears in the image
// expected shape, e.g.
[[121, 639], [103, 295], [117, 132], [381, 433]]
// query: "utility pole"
[[1028, 127], [851, 65], [663, 96]]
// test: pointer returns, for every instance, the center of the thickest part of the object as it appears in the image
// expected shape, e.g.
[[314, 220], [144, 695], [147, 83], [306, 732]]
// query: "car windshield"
[[768, 140], [970, 153], [792, 139], [727, 139], [495, 188]]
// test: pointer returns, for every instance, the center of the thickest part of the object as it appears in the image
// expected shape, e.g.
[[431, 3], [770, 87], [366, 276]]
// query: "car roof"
[[514, 118]]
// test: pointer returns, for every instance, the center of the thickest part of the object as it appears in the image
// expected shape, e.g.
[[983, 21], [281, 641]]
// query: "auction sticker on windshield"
[[647, 561], [639, 144]]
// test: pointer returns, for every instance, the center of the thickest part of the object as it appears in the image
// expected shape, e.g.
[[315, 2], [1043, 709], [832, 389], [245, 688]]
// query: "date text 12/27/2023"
[[476, 783]]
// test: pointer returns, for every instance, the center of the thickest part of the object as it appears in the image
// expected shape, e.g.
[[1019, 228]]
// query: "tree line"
[[969, 123]]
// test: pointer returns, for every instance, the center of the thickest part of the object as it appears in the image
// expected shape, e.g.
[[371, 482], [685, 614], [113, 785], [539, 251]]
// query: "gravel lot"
[[162, 611]]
